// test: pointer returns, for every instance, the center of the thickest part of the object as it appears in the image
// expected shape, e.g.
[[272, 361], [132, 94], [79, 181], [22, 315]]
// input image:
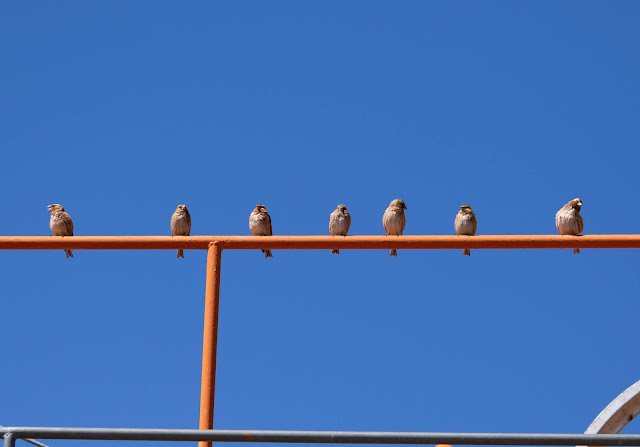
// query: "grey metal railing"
[[31, 441], [314, 437]]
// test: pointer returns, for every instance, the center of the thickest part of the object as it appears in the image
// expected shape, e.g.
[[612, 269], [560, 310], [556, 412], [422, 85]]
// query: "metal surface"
[[9, 440], [32, 441], [318, 242], [320, 437], [618, 413], [210, 338], [215, 245]]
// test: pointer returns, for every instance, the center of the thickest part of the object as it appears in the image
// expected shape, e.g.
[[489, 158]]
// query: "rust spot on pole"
[[210, 339]]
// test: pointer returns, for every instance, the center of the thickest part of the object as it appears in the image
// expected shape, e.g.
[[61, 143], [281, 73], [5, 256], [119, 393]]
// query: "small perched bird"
[[339, 223], [465, 224], [181, 225], [260, 225], [60, 223], [394, 220], [569, 221]]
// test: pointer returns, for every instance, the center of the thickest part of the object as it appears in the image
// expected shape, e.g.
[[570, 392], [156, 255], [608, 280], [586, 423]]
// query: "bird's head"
[[576, 204], [54, 208], [398, 203]]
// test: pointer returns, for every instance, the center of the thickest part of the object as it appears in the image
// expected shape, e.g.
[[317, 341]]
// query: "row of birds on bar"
[[568, 222]]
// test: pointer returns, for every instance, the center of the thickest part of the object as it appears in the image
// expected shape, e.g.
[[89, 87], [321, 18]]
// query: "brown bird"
[[181, 225], [60, 223], [465, 225], [569, 221], [339, 223], [394, 220], [260, 225]]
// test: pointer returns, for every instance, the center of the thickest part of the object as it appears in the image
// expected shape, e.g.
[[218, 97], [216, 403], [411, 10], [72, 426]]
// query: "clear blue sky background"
[[122, 110]]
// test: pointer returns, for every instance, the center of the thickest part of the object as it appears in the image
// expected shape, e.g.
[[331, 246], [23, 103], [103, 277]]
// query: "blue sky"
[[122, 110]]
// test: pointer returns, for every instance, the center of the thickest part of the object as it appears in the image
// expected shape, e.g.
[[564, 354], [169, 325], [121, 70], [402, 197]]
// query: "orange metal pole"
[[210, 339], [430, 242], [318, 242], [215, 245], [105, 242]]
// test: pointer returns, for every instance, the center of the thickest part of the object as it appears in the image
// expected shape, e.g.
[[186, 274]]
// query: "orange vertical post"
[[210, 339]]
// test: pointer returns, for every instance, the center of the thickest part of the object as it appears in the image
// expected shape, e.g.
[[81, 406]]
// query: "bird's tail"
[[180, 253], [267, 254], [336, 251], [466, 252], [69, 253], [576, 251], [393, 252]]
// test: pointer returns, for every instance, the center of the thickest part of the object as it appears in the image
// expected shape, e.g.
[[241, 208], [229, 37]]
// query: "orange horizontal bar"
[[317, 242]]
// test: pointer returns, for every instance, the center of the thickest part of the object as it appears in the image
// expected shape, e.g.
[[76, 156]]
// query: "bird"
[[394, 220], [181, 225], [60, 223], [260, 225], [465, 224], [569, 221], [339, 223]]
